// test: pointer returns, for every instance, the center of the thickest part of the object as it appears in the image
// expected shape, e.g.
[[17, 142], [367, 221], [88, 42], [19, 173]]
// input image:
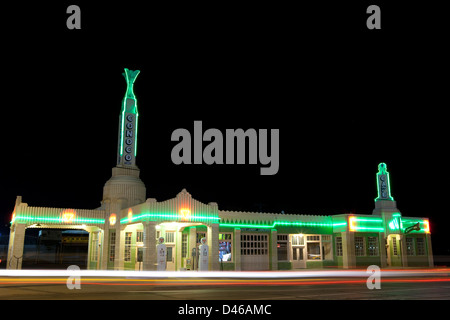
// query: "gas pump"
[[203, 256], [161, 252]]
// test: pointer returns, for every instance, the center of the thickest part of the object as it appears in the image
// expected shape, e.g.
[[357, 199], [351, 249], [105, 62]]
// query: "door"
[[394, 258], [254, 251], [298, 257], [170, 258]]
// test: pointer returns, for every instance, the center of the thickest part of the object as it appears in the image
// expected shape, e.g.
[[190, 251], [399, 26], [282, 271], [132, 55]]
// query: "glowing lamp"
[[185, 214], [112, 219], [13, 215], [68, 216], [130, 215], [351, 223], [426, 226]]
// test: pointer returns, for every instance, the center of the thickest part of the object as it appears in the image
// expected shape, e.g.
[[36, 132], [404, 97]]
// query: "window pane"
[[359, 246], [314, 251], [282, 250], [339, 246], [373, 246]]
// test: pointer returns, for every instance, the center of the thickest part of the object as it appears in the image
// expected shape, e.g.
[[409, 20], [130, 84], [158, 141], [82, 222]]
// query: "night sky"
[[344, 98]]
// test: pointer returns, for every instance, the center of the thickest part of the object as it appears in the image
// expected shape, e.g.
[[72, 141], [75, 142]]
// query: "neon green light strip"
[[281, 223], [369, 228], [135, 133], [368, 220], [58, 220], [339, 224], [121, 130], [167, 216]]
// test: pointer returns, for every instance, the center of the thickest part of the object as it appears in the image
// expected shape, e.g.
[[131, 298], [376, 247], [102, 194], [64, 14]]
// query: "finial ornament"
[[130, 77]]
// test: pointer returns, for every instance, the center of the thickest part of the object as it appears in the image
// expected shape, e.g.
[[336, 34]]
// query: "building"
[[123, 232]]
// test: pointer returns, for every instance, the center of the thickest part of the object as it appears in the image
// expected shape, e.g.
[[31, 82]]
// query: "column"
[[237, 249], [120, 247], [403, 251], [178, 246], [429, 251], [348, 250], [382, 250], [192, 244], [149, 255], [212, 238], [105, 249], [273, 249], [15, 247]]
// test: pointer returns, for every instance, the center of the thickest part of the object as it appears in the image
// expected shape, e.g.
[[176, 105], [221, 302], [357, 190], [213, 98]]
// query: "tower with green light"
[[384, 203], [128, 124]]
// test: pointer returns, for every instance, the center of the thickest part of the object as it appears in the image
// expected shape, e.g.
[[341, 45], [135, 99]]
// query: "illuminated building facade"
[[123, 232]]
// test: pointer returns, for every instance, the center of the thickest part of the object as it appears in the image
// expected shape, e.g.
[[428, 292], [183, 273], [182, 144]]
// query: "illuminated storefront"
[[123, 232]]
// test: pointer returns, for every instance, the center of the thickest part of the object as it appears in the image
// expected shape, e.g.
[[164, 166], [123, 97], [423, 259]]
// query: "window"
[[112, 246], [184, 245], [254, 244], [420, 246], [200, 235], [327, 247], [373, 246], [282, 247], [410, 246], [359, 246], [225, 243], [313, 247], [94, 256], [339, 251], [127, 255], [298, 240], [313, 251], [170, 237], [139, 236], [394, 246]]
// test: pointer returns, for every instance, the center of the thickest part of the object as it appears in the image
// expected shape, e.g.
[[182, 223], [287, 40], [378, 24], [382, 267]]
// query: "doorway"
[[170, 257], [298, 257], [394, 251]]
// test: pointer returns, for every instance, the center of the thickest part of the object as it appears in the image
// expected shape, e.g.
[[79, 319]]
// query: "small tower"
[[128, 124], [384, 203], [125, 188]]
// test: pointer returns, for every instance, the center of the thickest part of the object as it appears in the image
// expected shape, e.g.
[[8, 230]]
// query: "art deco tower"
[[125, 189]]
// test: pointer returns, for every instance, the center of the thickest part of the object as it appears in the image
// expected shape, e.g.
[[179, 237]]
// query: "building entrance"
[[170, 258]]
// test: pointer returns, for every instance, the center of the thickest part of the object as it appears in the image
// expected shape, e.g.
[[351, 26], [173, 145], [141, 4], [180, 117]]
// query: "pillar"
[[120, 247], [429, 251], [178, 245], [149, 256], [212, 238], [273, 249], [237, 249], [192, 244], [15, 247], [348, 250], [403, 251], [105, 249], [382, 249]]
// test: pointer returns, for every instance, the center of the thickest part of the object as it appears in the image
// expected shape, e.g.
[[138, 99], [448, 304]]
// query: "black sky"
[[344, 98]]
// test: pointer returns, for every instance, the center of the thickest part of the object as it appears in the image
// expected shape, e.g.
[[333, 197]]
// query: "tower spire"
[[383, 184], [128, 122]]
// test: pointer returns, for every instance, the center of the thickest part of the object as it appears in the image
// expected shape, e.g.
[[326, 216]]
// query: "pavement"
[[412, 284]]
